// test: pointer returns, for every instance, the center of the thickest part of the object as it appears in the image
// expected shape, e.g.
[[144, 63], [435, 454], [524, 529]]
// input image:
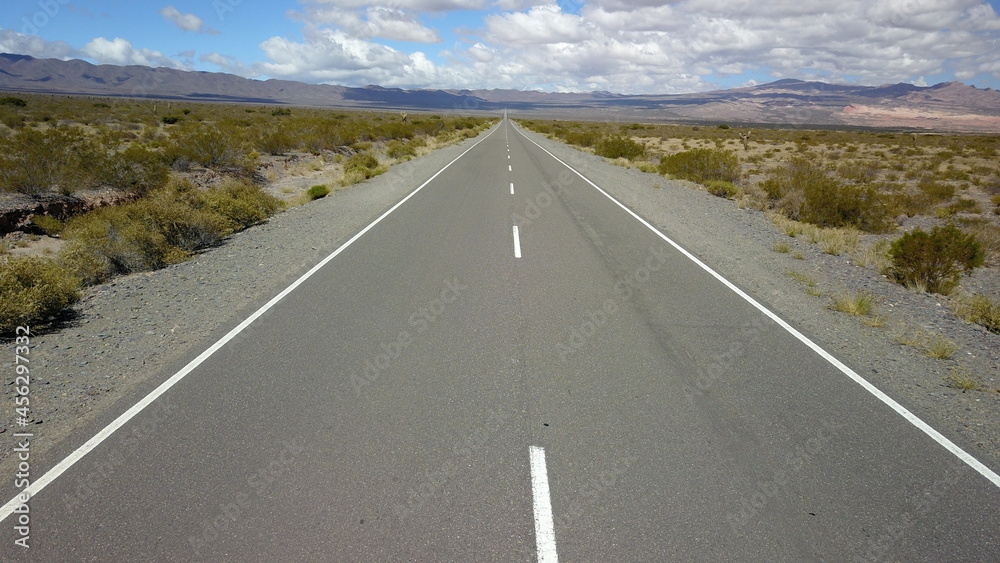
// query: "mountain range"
[[949, 106]]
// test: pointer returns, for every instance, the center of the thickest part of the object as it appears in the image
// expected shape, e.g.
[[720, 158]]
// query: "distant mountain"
[[946, 106]]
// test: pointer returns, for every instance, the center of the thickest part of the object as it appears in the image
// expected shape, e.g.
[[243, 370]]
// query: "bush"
[[805, 192], [981, 310], [34, 290], [115, 240], [163, 228], [617, 146], [13, 101], [361, 164], [721, 188], [33, 162], [48, 224], [317, 192], [241, 204], [399, 149], [702, 165], [136, 169], [935, 260], [218, 148]]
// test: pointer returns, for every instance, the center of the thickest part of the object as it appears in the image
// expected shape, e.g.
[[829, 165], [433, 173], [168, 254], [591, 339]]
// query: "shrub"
[[136, 169], [163, 228], [278, 140], [859, 304], [617, 146], [981, 310], [363, 164], [399, 149], [804, 191], [241, 204], [722, 188], [115, 240], [34, 290], [317, 192], [934, 260], [214, 147], [702, 165], [48, 224], [33, 162], [582, 138]]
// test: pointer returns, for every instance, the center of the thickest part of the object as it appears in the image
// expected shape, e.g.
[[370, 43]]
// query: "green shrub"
[[981, 310], [702, 165], [220, 148], [399, 149], [115, 240], [33, 162], [935, 260], [279, 140], [163, 228], [805, 192], [582, 138], [34, 290], [170, 119], [136, 169], [241, 204], [13, 101], [47, 223], [721, 188], [617, 146], [317, 192], [362, 164]]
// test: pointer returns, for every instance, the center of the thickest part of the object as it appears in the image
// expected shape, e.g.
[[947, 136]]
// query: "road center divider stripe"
[[913, 419]]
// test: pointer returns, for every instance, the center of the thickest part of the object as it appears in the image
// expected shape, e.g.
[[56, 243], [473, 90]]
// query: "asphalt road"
[[450, 388]]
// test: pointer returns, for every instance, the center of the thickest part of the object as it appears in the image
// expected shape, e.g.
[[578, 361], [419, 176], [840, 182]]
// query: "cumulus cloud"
[[187, 22], [628, 46], [119, 51], [31, 45], [386, 23]]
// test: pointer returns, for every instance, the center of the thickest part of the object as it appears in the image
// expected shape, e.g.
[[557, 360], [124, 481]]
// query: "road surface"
[[510, 366]]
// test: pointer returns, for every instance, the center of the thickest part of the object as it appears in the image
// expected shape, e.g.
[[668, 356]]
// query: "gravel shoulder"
[[134, 332]]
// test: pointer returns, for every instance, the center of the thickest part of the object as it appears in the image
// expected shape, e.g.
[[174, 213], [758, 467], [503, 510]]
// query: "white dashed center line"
[[545, 532]]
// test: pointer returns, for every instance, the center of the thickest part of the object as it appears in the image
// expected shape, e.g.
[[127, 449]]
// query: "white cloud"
[[31, 45], [187, 22], [386, 23], [119, 51]]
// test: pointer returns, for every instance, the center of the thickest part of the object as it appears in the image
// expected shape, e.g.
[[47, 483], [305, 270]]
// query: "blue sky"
[[565, 45]]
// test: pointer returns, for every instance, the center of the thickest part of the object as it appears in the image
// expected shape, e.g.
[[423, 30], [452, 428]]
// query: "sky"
[[639, 47]]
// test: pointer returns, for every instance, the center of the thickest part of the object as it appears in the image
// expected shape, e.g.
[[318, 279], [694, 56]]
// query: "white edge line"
[[545, 532], [517, 243], [900, 409], [61, 467]]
